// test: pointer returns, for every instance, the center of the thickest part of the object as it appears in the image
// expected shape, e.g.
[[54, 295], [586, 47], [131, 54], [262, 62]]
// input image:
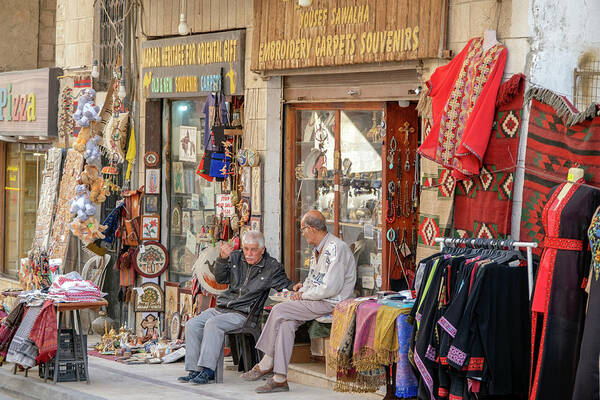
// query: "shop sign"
[[194, 65], [225, 206], [331, 33], [29, 102]]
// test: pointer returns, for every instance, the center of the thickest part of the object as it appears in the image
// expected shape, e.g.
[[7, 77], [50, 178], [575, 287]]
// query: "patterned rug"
[[48, 194], [483, 205], [557, 138], [435, 207], [61, 229]]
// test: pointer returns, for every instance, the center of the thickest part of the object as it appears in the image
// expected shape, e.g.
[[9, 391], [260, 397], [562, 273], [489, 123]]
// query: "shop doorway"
[[340, 159]]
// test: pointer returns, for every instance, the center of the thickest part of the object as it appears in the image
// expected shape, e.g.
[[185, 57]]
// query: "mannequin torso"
[[574, 175], [489, 39]]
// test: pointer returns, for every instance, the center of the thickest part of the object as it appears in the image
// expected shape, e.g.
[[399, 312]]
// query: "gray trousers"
[[277, 338], [204, 336]]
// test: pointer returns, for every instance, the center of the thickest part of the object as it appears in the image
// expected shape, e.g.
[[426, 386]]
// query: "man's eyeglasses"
[[302, 228]]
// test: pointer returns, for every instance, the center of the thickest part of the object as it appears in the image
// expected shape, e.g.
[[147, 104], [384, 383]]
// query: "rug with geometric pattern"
[[552, 148]]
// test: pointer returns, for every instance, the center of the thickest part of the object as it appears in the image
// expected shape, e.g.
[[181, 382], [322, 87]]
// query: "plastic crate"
[[70, 345], [66, 371], [72, 358]]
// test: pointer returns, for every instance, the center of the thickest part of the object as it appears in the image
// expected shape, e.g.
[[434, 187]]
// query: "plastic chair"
[[242, 341]]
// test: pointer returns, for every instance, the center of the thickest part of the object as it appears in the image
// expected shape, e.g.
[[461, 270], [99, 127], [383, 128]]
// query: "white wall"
[[560, 34]]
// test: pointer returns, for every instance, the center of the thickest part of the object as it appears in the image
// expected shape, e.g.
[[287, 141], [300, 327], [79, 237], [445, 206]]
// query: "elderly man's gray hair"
[[254, 237], [315, 221]]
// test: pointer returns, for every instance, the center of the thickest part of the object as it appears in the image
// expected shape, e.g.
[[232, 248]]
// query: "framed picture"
[[195, 201], [209, 217], [256, 198], [171, 304], [185, 306], [245, 181], [178, 184], [186, 222], [188, 177], [150, 227], [255, 223], [187, 143], [150, 204], [176, 219], [150, 298], [152, 181]]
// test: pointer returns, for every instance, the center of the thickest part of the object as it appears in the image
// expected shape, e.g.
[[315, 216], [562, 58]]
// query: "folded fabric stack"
[[72, 288]]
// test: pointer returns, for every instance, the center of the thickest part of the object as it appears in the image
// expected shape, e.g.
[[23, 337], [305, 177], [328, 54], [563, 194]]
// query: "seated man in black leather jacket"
[[249, 272]]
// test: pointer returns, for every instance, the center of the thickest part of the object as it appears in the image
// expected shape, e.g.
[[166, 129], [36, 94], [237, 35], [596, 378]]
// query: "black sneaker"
[[206, 375], [189, 377]]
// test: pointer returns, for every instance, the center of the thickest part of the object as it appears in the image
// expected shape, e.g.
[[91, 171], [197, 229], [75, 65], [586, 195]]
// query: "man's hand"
[[297, 286], [296, 295], [225, 250]]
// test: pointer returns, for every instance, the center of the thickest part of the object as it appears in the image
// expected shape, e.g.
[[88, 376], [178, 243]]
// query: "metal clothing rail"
[[498, 243]]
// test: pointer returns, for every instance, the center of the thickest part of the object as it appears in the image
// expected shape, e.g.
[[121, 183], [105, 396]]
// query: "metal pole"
[[530, 269]]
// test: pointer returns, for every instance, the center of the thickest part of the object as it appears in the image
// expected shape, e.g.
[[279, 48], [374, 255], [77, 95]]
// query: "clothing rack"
[[497, 243]]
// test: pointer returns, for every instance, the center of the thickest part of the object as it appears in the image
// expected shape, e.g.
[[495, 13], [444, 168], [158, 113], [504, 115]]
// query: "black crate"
[[72, 358], [66, 371], [70, 345]]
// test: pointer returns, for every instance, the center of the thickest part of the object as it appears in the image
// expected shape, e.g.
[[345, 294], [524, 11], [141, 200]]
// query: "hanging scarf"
[[342, 336], [43, 333], [112, 223], [364, 357], [9, 327], [386, 338], [22, 350], [407, 385]]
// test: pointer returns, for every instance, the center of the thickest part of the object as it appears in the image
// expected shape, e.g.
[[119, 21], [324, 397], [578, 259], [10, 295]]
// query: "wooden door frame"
[[2, 203]]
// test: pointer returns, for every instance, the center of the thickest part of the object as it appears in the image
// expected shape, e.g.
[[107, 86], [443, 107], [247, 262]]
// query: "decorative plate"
[[203, 270], [150, 298], [151, 159], [153, 261], [242, 157], [175, 326], [253, 159]]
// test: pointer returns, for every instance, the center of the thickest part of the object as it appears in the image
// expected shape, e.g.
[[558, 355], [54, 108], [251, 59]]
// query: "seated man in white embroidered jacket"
[[331, 279]]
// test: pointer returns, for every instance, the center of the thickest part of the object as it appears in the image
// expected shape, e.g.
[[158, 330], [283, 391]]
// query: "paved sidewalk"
[[113, 380]]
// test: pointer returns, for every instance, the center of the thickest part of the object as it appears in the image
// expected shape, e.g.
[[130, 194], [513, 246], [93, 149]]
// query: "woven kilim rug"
[[483, 204], [435, 207], [558, 138]]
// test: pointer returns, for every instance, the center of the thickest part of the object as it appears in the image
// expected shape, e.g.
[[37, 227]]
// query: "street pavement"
[[113, 380]]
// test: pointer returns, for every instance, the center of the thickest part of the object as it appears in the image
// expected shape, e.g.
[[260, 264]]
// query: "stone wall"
[[19, 26], [74, 32]]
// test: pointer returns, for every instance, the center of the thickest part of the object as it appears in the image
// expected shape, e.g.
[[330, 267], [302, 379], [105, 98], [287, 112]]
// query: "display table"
[[70, 360]]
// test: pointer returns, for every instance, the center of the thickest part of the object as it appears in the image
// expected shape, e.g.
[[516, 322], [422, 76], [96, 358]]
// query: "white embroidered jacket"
[[332, 278]]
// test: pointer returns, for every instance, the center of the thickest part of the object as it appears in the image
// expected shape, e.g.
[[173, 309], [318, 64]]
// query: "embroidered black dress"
[[558, 308], [586, 383]]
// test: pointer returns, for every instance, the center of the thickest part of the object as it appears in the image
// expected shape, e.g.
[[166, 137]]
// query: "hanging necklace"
[[391, 152]]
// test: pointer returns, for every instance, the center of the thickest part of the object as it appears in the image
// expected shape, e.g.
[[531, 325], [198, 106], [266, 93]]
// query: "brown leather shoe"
[[255, 374], [272, 387]]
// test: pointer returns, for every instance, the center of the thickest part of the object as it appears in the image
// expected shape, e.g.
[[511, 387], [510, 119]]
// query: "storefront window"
[[347, 192], [21, 196], [192, 199]]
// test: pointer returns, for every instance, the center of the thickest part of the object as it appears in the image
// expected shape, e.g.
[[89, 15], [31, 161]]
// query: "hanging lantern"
[[110, 173]]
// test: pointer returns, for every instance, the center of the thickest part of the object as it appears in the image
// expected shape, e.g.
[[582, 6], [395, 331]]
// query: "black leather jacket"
[[247, 283]]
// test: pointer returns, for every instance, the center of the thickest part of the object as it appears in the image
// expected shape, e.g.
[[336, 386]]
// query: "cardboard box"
[[300, 353]]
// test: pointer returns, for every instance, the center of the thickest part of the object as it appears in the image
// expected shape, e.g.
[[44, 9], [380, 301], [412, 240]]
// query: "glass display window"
[[334, 159], [22, 180], [191, 198]]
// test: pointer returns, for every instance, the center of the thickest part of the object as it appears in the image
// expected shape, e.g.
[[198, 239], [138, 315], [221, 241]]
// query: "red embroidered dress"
[[463, 96]]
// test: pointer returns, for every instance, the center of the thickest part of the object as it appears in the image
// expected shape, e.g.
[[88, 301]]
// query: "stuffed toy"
[[82, 139], [94, 182], [92, 151], [88, 231], [81, 205], [87, 111]]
